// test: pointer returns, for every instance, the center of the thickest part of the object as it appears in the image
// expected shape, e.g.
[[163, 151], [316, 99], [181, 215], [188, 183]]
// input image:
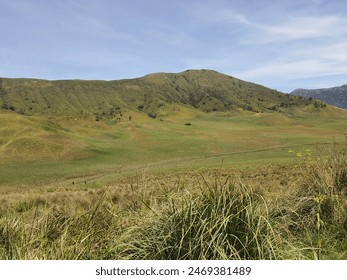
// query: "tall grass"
[[316, 210], [53, 233], [225, 221], [184, 218]]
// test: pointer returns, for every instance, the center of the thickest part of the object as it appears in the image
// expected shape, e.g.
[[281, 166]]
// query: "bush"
[[152, 115]]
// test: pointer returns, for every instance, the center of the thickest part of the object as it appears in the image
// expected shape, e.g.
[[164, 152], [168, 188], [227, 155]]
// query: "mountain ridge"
[[336, 96], [204, 90]]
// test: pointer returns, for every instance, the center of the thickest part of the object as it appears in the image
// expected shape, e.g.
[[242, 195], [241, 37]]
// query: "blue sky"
[[283, 44]]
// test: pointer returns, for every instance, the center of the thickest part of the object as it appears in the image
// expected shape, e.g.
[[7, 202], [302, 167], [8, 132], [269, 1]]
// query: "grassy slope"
[[37, 150], [202, 89], [57, 137]]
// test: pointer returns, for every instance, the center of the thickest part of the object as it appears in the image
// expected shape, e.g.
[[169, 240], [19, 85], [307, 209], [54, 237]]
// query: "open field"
[[39, 150], [278, 212]]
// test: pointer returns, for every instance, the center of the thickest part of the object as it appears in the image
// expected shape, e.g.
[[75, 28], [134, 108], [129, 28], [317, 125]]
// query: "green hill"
[[59, 130], [204, 90]]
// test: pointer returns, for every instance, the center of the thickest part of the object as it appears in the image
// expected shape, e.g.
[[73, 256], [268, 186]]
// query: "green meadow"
[[80, 150], [194, 165]]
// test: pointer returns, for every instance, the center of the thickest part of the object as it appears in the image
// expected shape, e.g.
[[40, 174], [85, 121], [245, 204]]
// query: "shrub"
[[152, 115]]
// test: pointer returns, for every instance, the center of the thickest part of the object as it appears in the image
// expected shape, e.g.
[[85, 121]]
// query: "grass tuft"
[[226, 221]]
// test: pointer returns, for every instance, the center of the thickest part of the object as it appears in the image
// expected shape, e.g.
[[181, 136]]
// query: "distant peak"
[[188, 71], [201, 71]]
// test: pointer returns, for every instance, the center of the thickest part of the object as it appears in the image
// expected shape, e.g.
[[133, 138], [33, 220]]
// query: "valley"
[[115, 152], [76, 129]]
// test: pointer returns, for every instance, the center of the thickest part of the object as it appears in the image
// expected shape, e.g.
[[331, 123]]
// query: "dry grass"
[[225, 221], [278, 212]]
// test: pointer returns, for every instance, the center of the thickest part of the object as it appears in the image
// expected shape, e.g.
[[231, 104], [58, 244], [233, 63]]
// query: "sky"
[[283, 44]]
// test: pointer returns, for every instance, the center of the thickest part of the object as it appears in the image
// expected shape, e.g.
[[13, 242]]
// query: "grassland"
[[105, 190], [279, 212], [188, 182], [40, 150]]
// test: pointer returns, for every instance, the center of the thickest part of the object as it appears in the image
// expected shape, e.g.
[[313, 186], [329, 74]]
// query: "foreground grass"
[[225, 222], [220, 215]]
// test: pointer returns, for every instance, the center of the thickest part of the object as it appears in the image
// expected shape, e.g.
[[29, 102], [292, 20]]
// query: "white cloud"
[[295, 69], [332, 52], [231, 16], [308, 61], [277, 29], [296, 47], [303, 28], [278, 48]]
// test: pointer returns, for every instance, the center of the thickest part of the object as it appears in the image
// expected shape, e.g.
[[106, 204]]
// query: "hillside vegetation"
[[60, 130], [201, 89]]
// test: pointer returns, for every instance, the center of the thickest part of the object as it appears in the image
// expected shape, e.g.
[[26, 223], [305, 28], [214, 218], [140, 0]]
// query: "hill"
[[204, 90], [64, 130], [336, 96]]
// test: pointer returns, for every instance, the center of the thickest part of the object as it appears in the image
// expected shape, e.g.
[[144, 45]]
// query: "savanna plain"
[[170, 179]]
